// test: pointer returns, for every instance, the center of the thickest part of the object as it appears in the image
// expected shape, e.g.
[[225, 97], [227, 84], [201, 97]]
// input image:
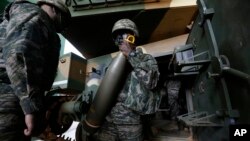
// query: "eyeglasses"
[[124, 37]]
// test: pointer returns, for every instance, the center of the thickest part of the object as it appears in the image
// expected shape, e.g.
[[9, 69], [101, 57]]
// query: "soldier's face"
[[49, 9], [124, 37]]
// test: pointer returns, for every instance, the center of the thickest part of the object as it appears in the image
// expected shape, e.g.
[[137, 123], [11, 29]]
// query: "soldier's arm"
[[25, 65], [145, 67]]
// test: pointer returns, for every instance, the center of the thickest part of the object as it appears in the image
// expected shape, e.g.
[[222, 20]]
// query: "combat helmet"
[[60, 5], [125, 24]]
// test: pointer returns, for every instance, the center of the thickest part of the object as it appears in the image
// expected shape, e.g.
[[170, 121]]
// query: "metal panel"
[[71, 74], [222, 88]]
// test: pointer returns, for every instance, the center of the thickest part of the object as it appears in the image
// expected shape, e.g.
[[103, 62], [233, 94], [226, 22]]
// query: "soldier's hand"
[[35, 124], [29, 121], [126, 48]]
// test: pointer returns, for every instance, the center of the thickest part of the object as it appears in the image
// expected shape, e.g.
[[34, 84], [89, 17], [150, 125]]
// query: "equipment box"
[[70, 78]]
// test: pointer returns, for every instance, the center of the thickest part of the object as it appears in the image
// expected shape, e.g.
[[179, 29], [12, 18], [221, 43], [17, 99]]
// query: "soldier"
[[173, 90], [29, 54], [137, 96]]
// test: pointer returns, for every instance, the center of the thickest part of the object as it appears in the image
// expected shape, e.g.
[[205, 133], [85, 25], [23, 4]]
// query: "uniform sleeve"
[[24, 58], [145, 68]]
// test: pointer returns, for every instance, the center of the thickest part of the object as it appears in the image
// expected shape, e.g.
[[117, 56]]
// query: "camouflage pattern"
[[138, 97], [29, 51], [58, 3], [114, 132], [173, 88], [126, 24], [141, 95], [11, 116], [65, 18], [3, 26]]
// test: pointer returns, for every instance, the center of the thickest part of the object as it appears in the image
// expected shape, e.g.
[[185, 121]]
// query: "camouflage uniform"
[[29, 52], [135, 99], [173, 88]]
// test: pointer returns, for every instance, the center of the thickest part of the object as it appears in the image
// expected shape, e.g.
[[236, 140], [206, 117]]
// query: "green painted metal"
[[70, 76], [3, 3], [222, 87], [232, 48], [95, 7], [106, 10]]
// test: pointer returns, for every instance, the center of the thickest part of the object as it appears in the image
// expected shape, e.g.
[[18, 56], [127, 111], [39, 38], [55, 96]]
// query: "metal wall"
[[221, 35]]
